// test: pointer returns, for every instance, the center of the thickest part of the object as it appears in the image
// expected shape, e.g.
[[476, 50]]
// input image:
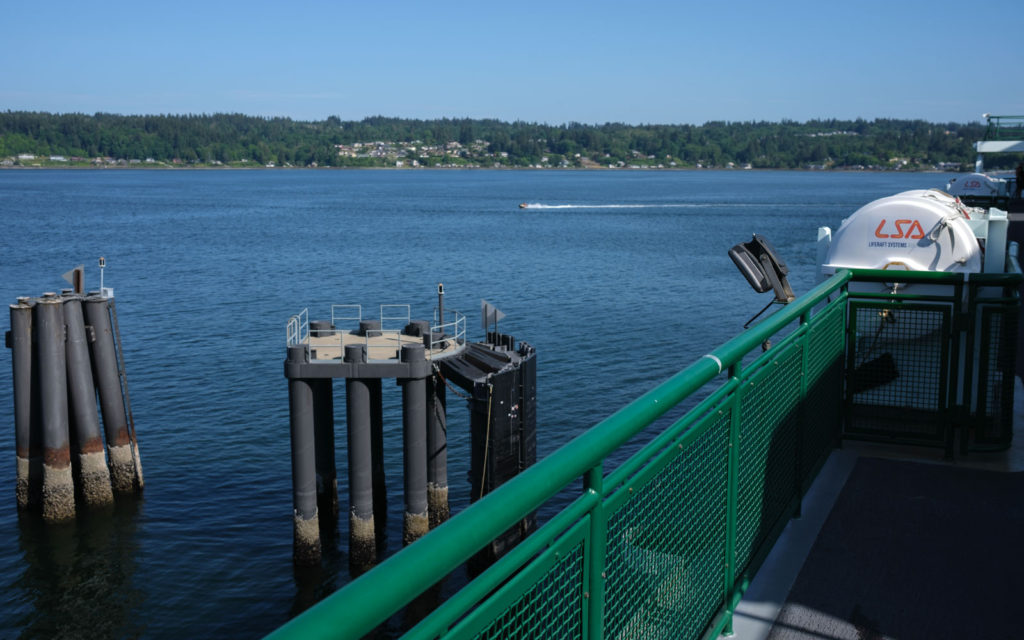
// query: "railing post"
[[594, 596], [804, 415], [732, 501], [961, 320]]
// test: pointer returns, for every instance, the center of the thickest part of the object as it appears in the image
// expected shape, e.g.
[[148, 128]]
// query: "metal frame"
[[337, 318], [297, 331], [404, 318], [967, 302], [941, 417]]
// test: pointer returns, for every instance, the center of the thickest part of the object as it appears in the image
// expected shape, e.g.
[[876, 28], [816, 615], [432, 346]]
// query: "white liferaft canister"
[[920, 230]]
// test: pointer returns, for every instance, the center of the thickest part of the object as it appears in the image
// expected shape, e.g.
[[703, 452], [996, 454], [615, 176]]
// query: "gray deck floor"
[[898, 544], [914, 550]]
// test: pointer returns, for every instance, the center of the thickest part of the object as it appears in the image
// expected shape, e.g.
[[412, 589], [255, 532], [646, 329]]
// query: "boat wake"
[[538, 205], [674, 205]]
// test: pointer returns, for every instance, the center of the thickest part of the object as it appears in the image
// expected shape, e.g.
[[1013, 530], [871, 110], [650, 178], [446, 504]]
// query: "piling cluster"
[[500, 380], [314, 477], [64, 356]]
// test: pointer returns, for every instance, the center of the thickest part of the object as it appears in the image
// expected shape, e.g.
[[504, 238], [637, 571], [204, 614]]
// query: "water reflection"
[[79, 577]]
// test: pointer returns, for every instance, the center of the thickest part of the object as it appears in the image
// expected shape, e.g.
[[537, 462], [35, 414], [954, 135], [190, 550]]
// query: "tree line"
[[235, 138]]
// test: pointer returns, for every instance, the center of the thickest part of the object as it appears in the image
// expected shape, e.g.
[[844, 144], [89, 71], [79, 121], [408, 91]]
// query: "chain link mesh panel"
[[898, 371], [552, 608], [997, 350], [821, 418], [665, 561], [767, 451], [825, 341]]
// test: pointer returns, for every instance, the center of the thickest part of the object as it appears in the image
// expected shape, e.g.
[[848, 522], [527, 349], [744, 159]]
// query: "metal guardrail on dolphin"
[[393, 319]]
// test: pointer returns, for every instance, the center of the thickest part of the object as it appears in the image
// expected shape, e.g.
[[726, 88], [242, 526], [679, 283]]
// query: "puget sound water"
[[619, 279]]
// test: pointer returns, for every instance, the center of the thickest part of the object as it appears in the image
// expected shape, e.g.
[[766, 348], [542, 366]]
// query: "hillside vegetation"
[[45, 139]]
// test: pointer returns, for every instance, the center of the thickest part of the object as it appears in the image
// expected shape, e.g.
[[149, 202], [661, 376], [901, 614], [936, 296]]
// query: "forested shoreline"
[[47, 139]]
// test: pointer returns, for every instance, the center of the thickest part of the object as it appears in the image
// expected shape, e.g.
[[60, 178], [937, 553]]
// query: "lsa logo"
[[904, 229]]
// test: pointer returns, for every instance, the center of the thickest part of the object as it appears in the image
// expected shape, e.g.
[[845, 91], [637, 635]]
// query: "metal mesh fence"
[[666, 544], [899, 356], [996, 376], [821, 418], [767, 450], [552, 608], [898, 371], [825, 341]]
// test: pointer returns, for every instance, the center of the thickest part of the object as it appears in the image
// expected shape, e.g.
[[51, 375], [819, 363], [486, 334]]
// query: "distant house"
[[58, 159], [26, 156]]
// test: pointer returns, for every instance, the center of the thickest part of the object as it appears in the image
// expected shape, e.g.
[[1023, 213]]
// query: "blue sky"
[[553, 62]]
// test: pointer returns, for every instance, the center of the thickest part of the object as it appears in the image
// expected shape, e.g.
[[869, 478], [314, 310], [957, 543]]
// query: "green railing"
[[933, 358], [662, 546]]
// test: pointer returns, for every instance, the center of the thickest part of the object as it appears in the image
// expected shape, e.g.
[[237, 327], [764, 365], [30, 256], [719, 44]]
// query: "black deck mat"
[[913, 550]]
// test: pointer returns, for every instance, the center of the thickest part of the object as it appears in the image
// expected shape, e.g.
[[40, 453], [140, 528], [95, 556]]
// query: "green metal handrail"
[[372, 598], [584, 523]]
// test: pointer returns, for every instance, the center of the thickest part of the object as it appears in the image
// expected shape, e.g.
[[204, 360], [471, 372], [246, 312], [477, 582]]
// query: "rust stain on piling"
[[120, 438], [92, 445], [57, 458]]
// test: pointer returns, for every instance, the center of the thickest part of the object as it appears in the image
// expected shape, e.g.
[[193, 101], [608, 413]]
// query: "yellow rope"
[[487, 438]]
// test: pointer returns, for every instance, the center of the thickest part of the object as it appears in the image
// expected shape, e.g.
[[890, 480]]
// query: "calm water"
[[617, 291]]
